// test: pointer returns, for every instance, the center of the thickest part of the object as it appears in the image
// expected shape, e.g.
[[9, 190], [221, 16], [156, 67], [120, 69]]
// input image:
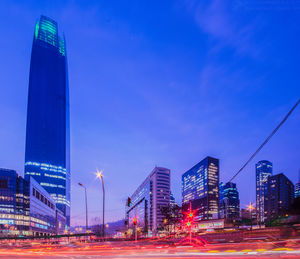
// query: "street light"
[[86, 208], [100, 175], [250, 207]]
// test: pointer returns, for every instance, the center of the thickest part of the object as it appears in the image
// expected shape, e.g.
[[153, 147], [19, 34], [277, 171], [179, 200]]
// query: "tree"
[[172, 216]]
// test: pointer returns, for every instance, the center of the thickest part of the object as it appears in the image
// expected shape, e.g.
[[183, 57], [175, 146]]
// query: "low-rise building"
[[26, 208]]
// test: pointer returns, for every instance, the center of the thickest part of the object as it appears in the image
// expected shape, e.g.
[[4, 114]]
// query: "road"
[[141, 249]]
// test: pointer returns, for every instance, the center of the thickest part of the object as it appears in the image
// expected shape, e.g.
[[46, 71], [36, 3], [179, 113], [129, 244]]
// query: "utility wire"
[[267, 139]]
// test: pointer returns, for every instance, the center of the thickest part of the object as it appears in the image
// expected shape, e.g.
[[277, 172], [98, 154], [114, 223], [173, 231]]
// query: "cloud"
[[220, 21]]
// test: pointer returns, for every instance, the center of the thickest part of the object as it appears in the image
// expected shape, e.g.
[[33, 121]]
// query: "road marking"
[[260, 250], [230, 251], [283, 249], [213, 251]]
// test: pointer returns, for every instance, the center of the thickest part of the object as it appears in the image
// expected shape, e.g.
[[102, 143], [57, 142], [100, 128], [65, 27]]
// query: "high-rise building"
[[200, 186], [297, 188], [279, 197], [264, 169], [47, 129], [172, 200], [147, 201], [229, 201]]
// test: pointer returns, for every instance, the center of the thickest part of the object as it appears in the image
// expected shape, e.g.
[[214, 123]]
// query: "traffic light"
[[189, 218], [128, 202], [134, 221]]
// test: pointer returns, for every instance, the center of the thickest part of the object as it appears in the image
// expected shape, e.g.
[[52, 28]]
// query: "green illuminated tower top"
[[46, 31]]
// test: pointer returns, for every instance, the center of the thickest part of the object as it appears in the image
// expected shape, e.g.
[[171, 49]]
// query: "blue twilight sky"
[[160, 83]]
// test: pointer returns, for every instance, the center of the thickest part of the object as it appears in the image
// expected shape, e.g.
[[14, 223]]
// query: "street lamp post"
[[100, 175], [250, 208], [86, 208]]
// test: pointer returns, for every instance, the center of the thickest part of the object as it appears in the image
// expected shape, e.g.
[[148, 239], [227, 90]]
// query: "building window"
[[3, 183], [33, 191]]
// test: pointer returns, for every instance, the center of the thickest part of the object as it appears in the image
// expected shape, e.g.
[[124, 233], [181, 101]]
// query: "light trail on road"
[[130, 249]]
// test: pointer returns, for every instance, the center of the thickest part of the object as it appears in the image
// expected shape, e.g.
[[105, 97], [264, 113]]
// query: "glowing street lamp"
[[100, 175], [250, 207]]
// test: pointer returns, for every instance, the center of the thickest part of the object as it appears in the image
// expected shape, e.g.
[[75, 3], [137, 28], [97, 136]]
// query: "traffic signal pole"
[[190, 227], [136, 224]]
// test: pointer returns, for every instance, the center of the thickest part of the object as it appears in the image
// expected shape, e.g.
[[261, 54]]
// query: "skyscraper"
[[47, 130], [297, 188], [200, 186], [148, 199], [229, 201], [172, 200], [264, 169], [280, 196]]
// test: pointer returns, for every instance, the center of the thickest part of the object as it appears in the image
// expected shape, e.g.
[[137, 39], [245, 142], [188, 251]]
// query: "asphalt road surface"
[[130, 249]]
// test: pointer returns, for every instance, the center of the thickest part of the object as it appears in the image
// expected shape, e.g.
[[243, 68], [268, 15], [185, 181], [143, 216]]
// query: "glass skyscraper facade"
[[47, 129], [297, 188], [200, 186], [280, 196], [229, 201], [264, 169]]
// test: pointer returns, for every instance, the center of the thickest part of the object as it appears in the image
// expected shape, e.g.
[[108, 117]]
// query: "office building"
[[229, 201], [297, 188], [47, 129], [264, 169], [280, 196], [147, 201], [26, 208], [200, 187], [172, 201], [248, 213]]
